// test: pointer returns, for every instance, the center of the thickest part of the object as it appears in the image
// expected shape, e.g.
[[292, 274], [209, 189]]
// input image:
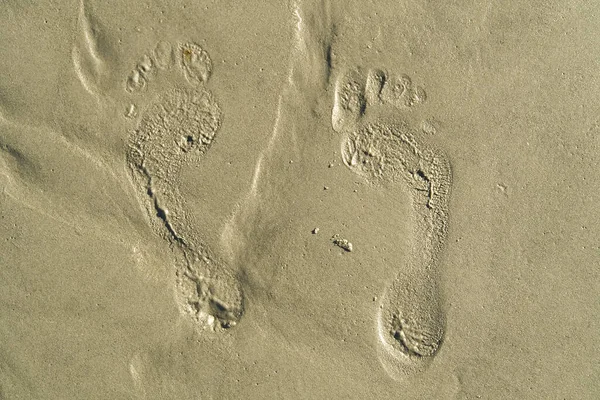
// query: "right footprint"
[[383, 148]]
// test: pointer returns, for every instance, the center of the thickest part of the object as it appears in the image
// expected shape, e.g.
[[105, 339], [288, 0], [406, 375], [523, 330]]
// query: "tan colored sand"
[[501, 288]]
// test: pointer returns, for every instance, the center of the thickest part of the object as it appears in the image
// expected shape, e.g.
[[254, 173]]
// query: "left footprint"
[[177, 129]]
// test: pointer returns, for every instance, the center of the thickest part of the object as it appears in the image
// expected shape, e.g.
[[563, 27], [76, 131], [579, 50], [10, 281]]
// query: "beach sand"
[[306, 199]]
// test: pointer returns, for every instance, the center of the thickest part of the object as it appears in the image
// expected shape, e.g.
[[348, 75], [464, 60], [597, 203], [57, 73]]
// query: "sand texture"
[[300, 199]]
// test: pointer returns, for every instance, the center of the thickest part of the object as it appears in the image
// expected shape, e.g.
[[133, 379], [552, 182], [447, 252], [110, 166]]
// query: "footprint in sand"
[[386, 150], [176, 128]]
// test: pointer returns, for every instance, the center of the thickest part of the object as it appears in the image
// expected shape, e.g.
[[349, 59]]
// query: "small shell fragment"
[[342, 243]]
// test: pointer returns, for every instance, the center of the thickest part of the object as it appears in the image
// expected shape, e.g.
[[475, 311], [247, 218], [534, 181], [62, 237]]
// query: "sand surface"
[[301, 199]]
